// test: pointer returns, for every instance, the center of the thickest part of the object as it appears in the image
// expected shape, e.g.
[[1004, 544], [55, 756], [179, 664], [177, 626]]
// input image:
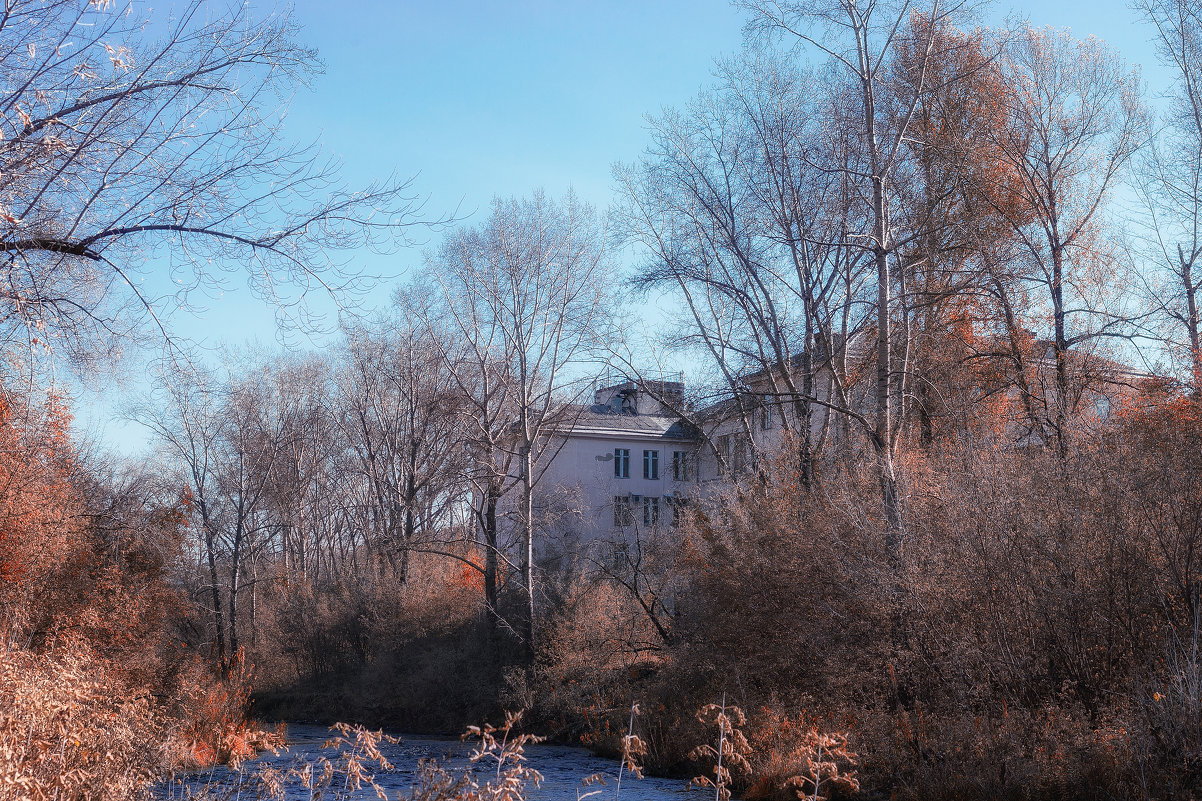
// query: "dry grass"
[[213, 727], [72, 727], [70, 730], [729, 756]]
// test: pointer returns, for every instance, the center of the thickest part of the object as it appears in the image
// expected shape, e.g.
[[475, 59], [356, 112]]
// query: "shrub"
[[70, 729]]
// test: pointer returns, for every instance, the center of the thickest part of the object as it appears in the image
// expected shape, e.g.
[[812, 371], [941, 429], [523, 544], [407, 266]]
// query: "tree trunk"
[[883, 435], [489, 526], [410, 513], [803, 408], [1191, 322], [1019, 359], [410, 495], [215, 590], [235, 580], [528, 549], [1060, 347]]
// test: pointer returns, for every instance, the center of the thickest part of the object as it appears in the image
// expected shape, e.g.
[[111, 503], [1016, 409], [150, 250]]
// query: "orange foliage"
[[215, 728], [39, 521], [1160, 402], [470, 579], [955, 122], [966, 182]]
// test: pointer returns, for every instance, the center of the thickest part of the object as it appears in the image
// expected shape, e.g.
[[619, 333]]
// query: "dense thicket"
[[1039, 641], [99, 692]]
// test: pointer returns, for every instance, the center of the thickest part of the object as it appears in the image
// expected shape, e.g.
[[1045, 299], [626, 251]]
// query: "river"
[[563, 769]]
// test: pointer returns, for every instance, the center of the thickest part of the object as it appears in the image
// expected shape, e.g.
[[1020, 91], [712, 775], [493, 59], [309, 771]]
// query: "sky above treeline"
[[480, 99]]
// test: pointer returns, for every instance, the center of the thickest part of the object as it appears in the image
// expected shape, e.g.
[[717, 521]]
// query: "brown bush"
[[70, 729], [415, 654], [1037, 637]]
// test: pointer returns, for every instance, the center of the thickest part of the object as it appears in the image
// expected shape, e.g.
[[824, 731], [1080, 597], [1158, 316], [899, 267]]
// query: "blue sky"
[[479, 99]]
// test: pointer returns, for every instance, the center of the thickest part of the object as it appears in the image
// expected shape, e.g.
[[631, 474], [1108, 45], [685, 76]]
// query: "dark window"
[[724, 454], [741, 448], [650, 464], [766, 414], [680, 465], [678, 505], [650, 511], [623, 515], [621, 463], [621, 555]]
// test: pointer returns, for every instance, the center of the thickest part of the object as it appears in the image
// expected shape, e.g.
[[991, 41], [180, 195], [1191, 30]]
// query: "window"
[[766, 414], [621, 463], [650, 511], [678, 506], [741, 447], [623, 514], [723, 453], [650, 464], [621, 555], [680, 465]]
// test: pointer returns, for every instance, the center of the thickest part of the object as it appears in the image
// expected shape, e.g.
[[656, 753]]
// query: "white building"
[[620, 464], [629, 460]]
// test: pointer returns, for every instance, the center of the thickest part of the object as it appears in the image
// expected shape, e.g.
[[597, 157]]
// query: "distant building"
[[632, 458], [626, 461]]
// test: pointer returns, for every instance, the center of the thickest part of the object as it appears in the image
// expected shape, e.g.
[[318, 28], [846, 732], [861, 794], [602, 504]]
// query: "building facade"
[[621, 464]]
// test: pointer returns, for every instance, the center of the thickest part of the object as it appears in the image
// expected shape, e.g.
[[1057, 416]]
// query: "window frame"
[[725, 464], [651, 511], [680, 465], [621, 462], [623, 512], [677, 505], [651, 464]]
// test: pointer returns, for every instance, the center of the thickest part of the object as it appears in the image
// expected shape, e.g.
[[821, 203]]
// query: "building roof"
[[602, 421]]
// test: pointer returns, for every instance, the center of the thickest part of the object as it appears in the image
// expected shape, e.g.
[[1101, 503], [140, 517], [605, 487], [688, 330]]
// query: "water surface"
[[563, 770]]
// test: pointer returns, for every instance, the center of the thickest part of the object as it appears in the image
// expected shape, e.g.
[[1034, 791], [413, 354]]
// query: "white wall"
[[583, 469]]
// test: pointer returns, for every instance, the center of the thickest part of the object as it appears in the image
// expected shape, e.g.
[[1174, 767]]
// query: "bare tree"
[[1171, 175], [647, 566], [292, 397], [399, 409], [746, 223], [1077, 118], [858, 39], [125, 141], [226, 437], [524, 295], [189, 427]]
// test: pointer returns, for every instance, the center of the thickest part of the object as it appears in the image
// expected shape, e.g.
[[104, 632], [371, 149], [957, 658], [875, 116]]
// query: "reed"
[[730, 754]]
